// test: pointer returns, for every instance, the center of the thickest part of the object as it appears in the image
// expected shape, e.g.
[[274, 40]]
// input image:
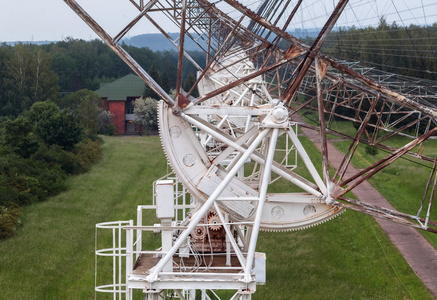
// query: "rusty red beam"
[[226, 17], [380, 146], [394, 132], [240, 81], [314, 50], [144, 11], [179, 99], [195, 64], [427, 187], [119, 51], [358, 178], [389, 94], [320, 70], [353, 146], [388, 215], [284, 28]]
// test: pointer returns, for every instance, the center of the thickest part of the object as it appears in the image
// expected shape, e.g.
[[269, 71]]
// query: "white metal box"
[[164, 199]]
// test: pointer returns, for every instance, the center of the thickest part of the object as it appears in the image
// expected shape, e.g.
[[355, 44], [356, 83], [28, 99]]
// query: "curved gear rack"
[[227, 145]]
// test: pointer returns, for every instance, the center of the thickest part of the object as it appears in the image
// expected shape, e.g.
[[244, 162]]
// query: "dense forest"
[[33, 73], [50, 117], [405, 50]]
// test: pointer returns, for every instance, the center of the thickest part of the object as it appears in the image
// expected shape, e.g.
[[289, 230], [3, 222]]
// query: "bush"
[[7, 193], [10, 220], [54, 155], [145, 114], [105, 123], [62, 129], [18, 136], [109, 130], [371, 150], [24, 181], [27, 188], [88, 152], [51, 179]]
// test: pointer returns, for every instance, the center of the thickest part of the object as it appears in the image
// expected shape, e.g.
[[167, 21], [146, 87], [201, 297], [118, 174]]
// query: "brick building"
[[118, 97]]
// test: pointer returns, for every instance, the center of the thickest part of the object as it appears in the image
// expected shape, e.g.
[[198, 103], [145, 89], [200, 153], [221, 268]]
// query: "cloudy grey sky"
[[27, 20]]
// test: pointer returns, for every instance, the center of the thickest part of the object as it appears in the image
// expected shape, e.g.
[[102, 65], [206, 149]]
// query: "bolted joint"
[[330, 201], [279, 114], [176, 111]]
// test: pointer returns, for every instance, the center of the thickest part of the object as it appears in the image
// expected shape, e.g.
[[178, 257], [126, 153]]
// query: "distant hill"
[[28, 42], [158, 42]]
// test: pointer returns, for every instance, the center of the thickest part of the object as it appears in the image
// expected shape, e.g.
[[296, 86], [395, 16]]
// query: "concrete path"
[[417, 251]]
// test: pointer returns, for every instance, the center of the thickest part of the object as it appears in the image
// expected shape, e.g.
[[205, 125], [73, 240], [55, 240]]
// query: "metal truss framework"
[[250, 91]]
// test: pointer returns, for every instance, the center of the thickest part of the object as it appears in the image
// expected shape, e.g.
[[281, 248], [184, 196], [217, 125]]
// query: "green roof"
[[127, 86]]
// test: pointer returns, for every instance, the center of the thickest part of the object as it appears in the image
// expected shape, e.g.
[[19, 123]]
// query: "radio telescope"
[[234, 149]]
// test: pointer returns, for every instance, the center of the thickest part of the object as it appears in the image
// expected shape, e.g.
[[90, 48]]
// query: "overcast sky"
[[53, 20], [26, 20]]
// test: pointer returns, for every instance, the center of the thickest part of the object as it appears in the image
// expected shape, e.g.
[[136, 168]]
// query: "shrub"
[[7, 193], [27, 188], [371, 150], [24, 181], [62, 129], [88, 152], [51, 179], [18, 136], [145, 114], [55, 155], [105, 123], [10, 220], [109, 130]]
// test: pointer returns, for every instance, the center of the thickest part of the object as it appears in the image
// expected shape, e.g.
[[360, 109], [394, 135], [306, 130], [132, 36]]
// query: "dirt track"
[[417, 251]]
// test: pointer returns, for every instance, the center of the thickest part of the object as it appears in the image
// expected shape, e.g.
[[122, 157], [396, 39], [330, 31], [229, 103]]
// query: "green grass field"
[[53, 255], [403, 182]]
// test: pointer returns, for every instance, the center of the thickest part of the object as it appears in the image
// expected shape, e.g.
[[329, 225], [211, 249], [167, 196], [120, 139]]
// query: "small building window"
[[129, 110]]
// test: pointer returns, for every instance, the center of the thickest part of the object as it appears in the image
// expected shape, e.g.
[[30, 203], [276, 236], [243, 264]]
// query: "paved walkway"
[[417, 251]]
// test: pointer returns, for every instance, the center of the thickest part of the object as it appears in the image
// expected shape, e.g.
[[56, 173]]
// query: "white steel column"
[[259, 210], [233, 144], [205, 207], [129, 258], [307, 160], [240, 256]]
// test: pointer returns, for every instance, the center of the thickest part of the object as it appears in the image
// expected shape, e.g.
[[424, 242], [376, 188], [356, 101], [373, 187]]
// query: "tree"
[[153, 72], [62, 129], [29, 79], [40, 111], [54, 126], [18, 135], [5, 54], [165, 82], [145, 112], [89, 110], [87, 105], [189, 82]]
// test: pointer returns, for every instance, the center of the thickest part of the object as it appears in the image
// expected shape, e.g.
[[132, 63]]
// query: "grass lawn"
[[53, 256], [403, 182]]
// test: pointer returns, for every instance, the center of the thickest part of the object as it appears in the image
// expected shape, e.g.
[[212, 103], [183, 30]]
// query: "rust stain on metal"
[[294, 51], [323, 67], [182, 101]]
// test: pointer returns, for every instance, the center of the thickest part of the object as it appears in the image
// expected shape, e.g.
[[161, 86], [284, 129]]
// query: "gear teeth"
[[161, 106], [165, 121], [338, 213]]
